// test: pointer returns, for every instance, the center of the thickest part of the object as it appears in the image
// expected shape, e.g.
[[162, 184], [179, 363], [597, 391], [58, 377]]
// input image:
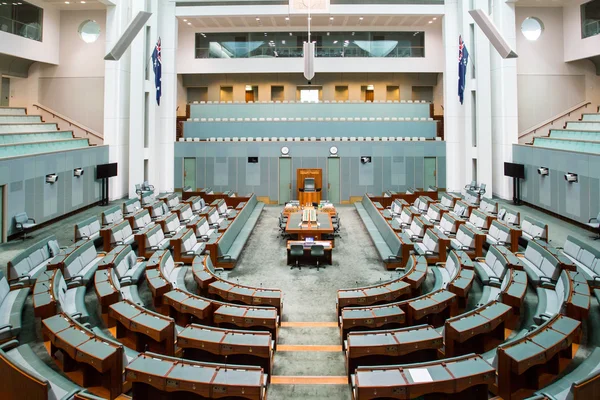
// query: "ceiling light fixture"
[[431, 22], [189, 23], [185, 20], [361, 18], [258, 19], [287, 18], [331, 18], [434, 18], [82, 2], [67, 2]]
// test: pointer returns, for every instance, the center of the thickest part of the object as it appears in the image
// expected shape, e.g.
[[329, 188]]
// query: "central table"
[[295, 226]]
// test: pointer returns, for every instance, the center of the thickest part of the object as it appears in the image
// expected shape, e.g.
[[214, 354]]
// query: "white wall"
[[577, 48], [45, 51], [432, 62], [548, 85], [74, 87]]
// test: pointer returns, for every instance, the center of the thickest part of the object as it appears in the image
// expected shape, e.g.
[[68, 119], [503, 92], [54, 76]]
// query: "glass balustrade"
[[22, 19], [332, 44]]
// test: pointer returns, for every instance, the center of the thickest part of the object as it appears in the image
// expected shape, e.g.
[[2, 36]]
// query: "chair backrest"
[[297, 248], [142, 219], [430, 241], [188, 240], [79, 259], [499, 232], [112, 215], [582, 252], [154, 236], [534, 228], [21, 218], [496, 261], [124, 261], [406, 216], [478, 219], [465, 236], [488, 205], [185, 213], [448, 223], [172, 223], [131, 205], [4, 287]]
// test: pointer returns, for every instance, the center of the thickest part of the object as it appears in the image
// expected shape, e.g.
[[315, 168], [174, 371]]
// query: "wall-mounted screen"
[[253, 160], [514, 170], [309, 184], [106, 170]]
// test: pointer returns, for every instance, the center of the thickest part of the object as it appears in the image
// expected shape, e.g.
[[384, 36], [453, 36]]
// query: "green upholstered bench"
[[31, 262], [88, 229], [28, 363], [234, 239], [112, 215], [587, 373], [11, 308]]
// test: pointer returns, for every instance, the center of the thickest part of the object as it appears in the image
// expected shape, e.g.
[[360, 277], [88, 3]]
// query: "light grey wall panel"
[[28, 191], [578, 201], [392, 166]]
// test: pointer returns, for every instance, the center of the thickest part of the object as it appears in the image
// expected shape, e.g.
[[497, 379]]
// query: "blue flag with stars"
[[463, 60], [157, 66]]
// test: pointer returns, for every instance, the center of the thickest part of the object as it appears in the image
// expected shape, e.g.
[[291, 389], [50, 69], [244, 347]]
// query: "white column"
[[137, 102], [454, 113], [482, 86], [505, 124], [116, 100], [166, 115]]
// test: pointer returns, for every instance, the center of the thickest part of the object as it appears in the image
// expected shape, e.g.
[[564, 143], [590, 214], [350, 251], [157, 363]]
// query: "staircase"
[[79, 130], [559, 121]]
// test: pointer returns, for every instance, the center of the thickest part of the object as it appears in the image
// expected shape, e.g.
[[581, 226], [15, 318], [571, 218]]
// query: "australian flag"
[[463, 60], [157, 66]]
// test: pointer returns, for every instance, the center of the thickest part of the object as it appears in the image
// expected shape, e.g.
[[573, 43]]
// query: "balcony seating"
[[12, 301], [88, 229], [31, 262]]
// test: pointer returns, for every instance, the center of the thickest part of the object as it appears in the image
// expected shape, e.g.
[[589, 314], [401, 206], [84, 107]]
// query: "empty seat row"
[[15, 150], [307, 102], [311, 139], [14, 138], [317, 119]]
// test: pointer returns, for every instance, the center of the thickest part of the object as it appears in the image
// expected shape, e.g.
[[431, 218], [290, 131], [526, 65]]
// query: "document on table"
[[420, 375]]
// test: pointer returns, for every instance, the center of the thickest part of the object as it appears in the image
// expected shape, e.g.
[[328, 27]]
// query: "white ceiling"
[[542, 3], [300, 21], [76, 5]]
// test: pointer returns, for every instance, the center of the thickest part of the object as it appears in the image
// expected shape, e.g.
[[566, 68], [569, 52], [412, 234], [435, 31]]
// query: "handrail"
[[551, 121], [70, 121]]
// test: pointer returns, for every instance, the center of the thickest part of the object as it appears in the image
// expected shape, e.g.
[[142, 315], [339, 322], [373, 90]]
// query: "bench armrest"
[[20, 280], [6, 327], [178, 263], [224, 257], [11, 344], [593, 220], [17, 285], [76, 281]]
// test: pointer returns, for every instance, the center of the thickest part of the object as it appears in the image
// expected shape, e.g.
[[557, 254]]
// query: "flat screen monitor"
[[514, 170], [309, 184], [309, 239], [106, 170], [253, 160]]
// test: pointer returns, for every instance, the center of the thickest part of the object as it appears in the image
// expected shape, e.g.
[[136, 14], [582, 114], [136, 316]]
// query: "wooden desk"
[[309, 197], [207, 343], [232, 292], [44, 302], [105, 290], [377, 317], [156, 376], [186, 307], [394, 346], [144, 327], [467, 377], [376, 294], [477, 331], [531, 362], [438, 306], [307, 258], [312, 230], [81, 346], [253, 318]]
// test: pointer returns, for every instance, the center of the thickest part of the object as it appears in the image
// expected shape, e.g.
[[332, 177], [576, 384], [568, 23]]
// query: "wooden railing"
[[558, 121], [79, 130]]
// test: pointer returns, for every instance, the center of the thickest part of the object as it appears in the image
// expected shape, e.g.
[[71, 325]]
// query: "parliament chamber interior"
[[300, 199]]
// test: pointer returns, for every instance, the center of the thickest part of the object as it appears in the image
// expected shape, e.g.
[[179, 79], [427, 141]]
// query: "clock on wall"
[[333, 151], [285, 151]]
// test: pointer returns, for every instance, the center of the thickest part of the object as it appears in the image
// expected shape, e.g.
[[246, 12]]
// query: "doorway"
[[285, 180], [333, 179], [189, 172], [430, 170], [251, 94], [423, 93], [5, 92]]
